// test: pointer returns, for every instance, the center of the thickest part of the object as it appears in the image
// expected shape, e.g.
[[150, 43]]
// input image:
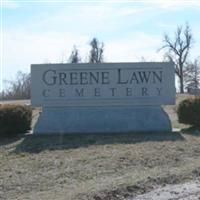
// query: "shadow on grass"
[[5, 140], [191, 131], [38, 143]]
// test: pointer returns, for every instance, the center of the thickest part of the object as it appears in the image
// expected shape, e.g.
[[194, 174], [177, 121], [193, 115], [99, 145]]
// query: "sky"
[[45, 31]]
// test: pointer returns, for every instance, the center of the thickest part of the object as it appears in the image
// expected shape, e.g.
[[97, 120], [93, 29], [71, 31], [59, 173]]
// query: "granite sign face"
[[104, 97], [102, 84]]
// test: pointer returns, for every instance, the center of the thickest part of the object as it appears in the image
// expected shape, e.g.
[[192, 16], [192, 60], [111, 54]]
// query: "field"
[[114, 166]]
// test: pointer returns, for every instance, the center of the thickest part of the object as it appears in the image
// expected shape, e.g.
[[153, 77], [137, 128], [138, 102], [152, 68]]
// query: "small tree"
[[96, 52], [74, 57], [178, 50], [192, 75]]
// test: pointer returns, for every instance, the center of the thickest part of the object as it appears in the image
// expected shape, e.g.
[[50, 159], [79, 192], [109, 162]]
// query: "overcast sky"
[[45, 31]]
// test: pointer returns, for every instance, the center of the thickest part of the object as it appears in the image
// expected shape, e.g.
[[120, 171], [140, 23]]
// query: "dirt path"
[[186, 191]]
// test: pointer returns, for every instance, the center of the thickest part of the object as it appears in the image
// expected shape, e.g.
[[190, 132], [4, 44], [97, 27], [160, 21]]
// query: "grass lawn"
[[109, 166]]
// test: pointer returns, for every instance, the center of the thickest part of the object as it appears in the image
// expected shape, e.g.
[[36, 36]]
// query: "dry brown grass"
[[111, 166], [80, 167]]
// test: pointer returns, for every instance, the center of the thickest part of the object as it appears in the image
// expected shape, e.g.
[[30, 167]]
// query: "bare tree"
[[178, 50], [19, 88], [192, 74], [74, 57], [96, 52]]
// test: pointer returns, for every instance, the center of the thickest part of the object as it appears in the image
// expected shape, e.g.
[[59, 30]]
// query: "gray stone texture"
[[102, 120], [51, 85]]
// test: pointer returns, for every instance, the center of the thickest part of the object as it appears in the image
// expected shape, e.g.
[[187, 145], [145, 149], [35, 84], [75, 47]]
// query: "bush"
[[189, 112], [14, 119]]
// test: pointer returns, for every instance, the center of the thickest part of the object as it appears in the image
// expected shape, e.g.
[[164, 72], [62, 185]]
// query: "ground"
[[110, 166]]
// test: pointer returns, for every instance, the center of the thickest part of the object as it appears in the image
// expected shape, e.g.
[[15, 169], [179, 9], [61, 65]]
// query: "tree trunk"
[[181, 85], [181, 76]]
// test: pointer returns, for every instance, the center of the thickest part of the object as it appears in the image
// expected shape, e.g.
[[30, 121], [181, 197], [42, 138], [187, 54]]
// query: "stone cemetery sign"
[[104, 97], [102, 84]]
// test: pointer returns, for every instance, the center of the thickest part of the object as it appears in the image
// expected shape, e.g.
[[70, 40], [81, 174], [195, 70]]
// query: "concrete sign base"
[[113, 119]]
